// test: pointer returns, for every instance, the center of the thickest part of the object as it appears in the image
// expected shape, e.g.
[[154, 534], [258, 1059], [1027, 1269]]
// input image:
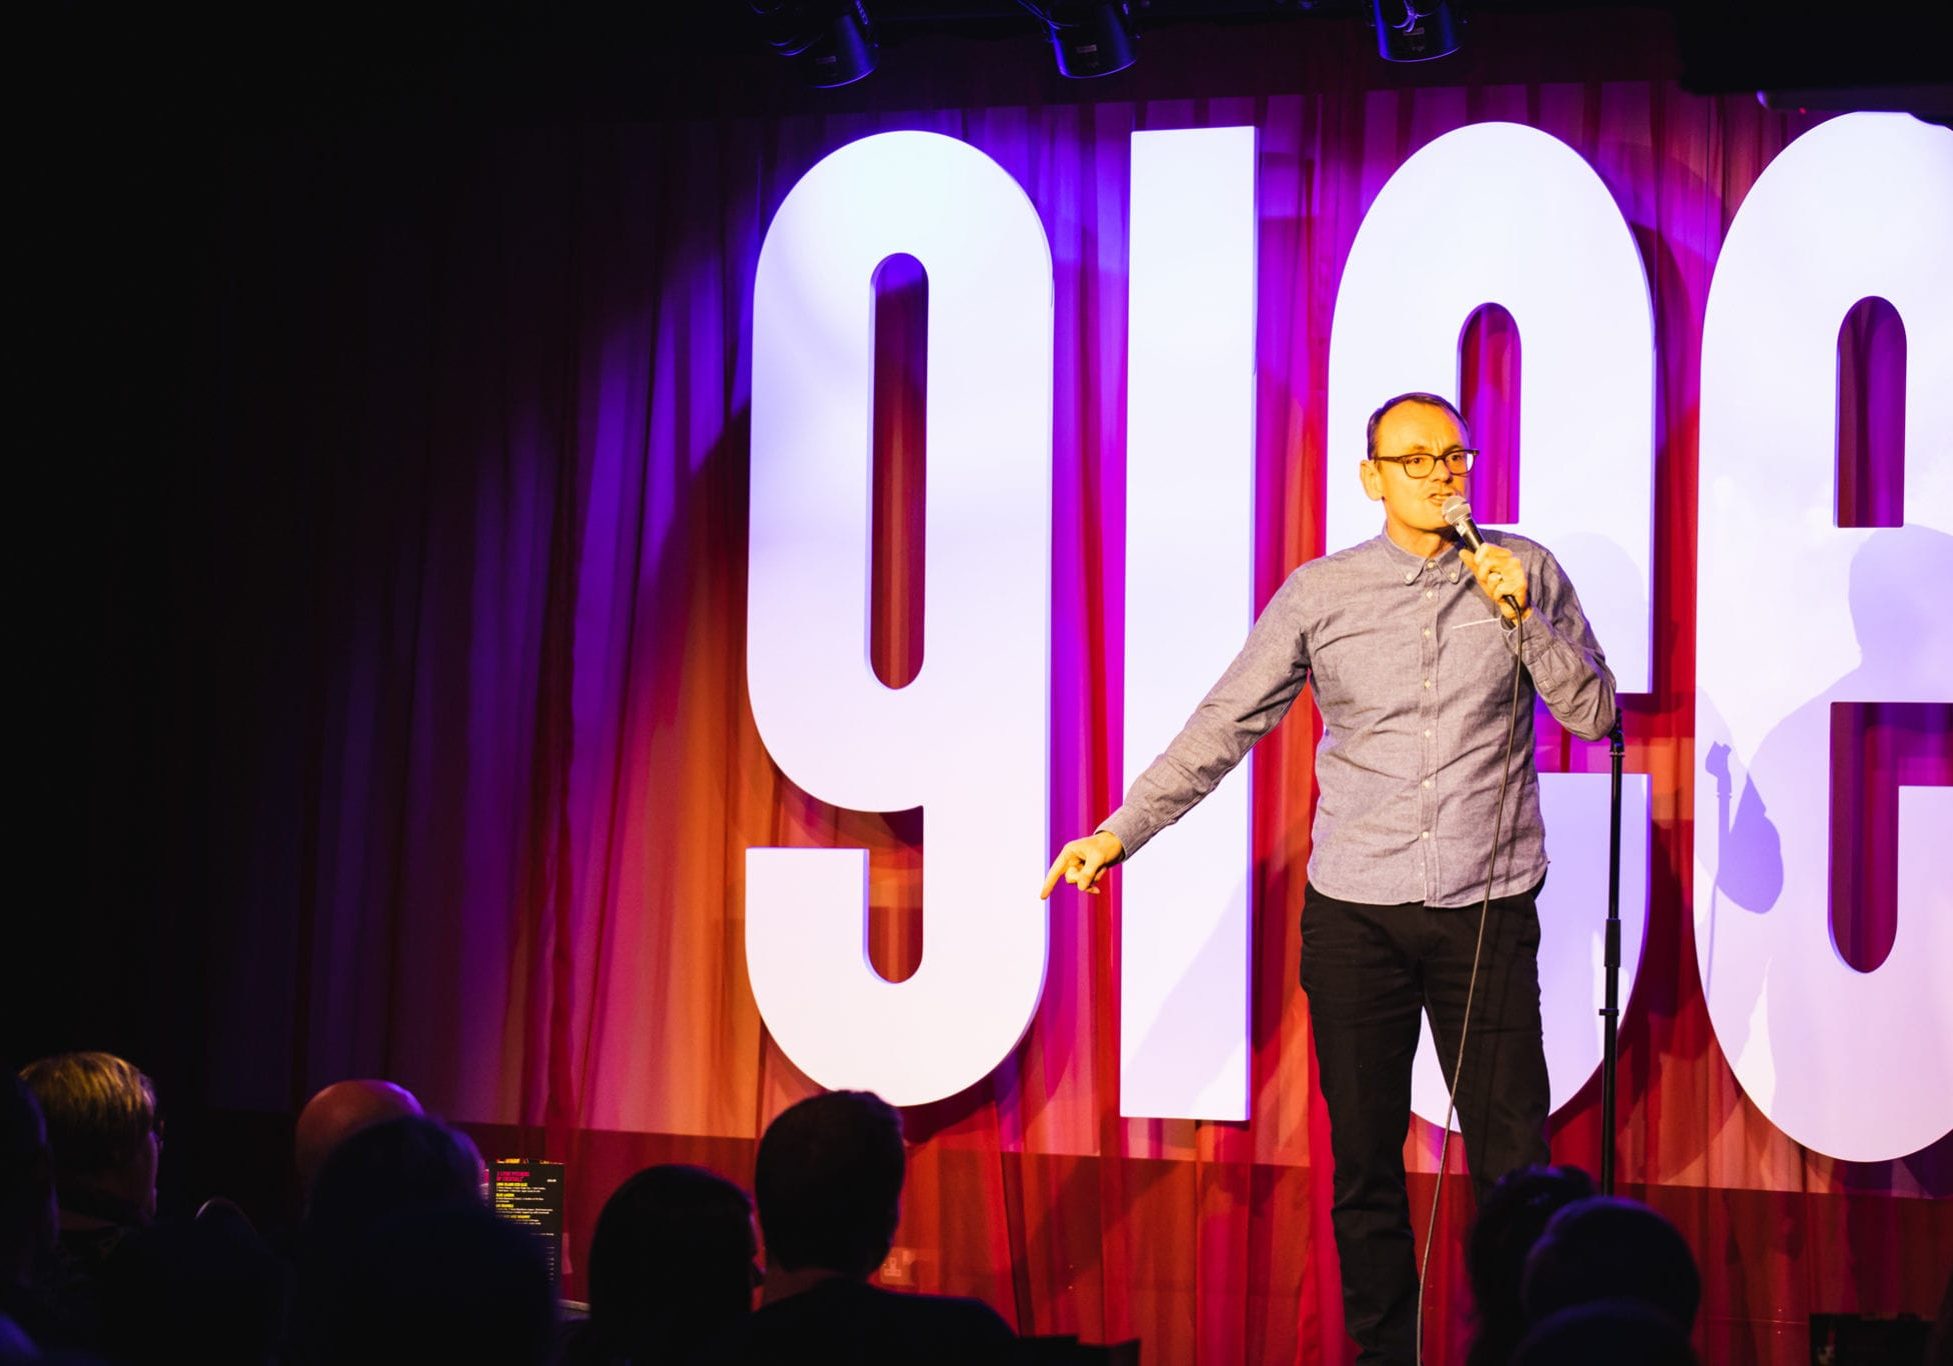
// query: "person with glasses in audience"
[[1408, 642], [105, 1136]]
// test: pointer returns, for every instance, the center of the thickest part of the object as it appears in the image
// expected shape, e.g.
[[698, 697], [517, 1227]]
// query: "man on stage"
[[1409, 641]]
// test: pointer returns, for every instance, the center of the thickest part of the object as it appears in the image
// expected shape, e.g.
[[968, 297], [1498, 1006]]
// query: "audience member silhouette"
[[208, 1290], [1604, 1248], [1510, 1221], [380, 1174], [28, 1222], [398, 1164], [337, 1113], [1612, 1332], [105, 1137], [438, 1283], [829, 1184], [671, 1265]]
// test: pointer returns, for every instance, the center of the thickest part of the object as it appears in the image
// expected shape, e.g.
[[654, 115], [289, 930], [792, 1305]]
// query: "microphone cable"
[[1471, 983]]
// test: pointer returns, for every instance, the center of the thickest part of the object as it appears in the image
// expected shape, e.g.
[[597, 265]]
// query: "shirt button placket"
[[1427, 812]]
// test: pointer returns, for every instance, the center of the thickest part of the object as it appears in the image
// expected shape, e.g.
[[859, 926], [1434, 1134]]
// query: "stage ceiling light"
[[1415, 30], [829, 42], [1088, 39]]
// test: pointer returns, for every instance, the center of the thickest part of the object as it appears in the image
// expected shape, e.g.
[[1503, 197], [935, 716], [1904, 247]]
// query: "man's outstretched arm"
[[1253, 694]]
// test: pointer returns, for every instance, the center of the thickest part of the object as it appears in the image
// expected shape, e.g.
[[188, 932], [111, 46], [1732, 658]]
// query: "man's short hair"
[[408, 1163], [99, 1110], [1609, 1247], [829, 1183], [1510, 1221], [1415, 396], [671, 1262], [1610, 1332]]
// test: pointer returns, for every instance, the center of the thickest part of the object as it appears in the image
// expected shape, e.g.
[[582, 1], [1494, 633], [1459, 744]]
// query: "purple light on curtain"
[[897, 575], [1877, 748], [1872, 416], [1874, 746], [897, 579], [1488, 391]]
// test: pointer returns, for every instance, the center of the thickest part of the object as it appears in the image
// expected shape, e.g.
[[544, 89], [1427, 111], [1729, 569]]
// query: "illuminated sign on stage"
[[1190, 536], [1501, 213], [1797, 614], [1857, 1064], [966, 740]]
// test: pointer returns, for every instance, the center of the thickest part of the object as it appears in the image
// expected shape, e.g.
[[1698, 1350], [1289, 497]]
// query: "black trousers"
[[1369, 971]]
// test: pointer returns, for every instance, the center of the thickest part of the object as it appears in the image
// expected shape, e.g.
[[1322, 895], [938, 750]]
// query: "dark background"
[[168, 577]]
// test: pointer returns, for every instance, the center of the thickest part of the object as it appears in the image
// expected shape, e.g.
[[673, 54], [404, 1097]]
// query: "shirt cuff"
[[1128, 828]]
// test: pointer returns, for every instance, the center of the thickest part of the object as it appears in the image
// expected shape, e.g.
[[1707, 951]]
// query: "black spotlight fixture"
[[1088, 37], [829, 42], [1410, 31]]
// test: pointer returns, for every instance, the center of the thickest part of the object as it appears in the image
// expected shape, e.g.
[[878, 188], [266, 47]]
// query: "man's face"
[[1411, 506]]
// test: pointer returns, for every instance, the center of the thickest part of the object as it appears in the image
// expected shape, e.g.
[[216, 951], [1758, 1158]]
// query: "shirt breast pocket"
[[1473, 645]]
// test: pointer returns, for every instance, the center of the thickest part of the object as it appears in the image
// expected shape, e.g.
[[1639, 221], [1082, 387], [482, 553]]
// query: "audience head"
[[1510, 1221], [340, 1111], [386, 1173], [671, 1262], [1608, 1248], [396, 1165], [829, 1183], [103, 1131], [438, 1283], [28, 1221], [1614, 1332]]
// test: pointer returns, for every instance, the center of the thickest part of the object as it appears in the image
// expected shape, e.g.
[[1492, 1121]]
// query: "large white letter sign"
[[1501, 213], [1183, 1004], [1795, 614], [966, 740]]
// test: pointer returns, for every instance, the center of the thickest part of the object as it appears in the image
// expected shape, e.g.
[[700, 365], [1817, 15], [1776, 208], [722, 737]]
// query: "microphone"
[[1458, 513]]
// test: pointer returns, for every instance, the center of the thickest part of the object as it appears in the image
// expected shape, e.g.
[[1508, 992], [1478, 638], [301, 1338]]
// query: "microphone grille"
[[1456, 511]]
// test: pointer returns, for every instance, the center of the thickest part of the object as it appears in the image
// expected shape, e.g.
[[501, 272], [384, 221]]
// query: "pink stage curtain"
[[496, 390]]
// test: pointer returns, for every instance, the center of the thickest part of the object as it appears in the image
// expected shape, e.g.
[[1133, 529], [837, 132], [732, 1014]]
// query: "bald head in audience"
[[340, 1111]]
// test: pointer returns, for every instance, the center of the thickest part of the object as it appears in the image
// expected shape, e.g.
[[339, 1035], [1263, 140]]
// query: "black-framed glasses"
[[1458, 460]]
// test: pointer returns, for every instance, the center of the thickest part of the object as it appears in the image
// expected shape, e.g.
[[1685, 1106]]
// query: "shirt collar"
[[1408, 568]]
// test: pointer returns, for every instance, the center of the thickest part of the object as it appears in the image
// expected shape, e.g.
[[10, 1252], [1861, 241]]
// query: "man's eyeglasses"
[[1458, 460]]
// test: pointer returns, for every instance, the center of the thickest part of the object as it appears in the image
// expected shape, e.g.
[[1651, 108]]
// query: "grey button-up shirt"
[[1412, 670]]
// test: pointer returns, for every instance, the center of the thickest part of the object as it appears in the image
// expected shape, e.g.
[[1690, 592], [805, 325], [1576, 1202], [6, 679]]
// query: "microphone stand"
[[1610, 1013]]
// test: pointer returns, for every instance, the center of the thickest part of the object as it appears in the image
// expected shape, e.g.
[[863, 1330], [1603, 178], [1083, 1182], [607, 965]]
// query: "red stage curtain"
[[502, 773]]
